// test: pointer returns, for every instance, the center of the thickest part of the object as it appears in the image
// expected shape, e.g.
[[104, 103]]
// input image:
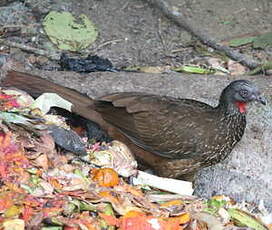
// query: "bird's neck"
[[235, 108], [228, 105]]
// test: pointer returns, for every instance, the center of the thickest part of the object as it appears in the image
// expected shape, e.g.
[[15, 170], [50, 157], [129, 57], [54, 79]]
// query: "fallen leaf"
[[66, 33], [23, 99], [240, 41], [211, 221], [192, 69], [12, 211], [49, 100], [236, 68], [41, 161], [263, 41], [116, 156], [246, 219], [15, 224], [172, 202], [182, 219]]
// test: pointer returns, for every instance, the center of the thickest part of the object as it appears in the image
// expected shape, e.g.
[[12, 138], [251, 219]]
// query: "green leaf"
[[263, 41], [68, 33], [52, 228], [241, 41], [87, 207], [35, 180], [245, 219], [214, 205], [194, 69], [227, 22], [27, 188], [81, 174], [14, 118]]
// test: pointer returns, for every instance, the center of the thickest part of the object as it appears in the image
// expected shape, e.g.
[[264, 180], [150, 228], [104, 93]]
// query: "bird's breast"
[[230, 130]]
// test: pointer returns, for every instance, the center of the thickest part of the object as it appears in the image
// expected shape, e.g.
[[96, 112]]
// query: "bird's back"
[[169, 127]]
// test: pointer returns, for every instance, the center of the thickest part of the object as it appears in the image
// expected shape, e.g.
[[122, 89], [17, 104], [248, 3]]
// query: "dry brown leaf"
[[118, 157], [45, 144], [76, 183], [125, 199], [154, 69], [47, 187], [41, 161], [211, 221], [236, 68], [121, 204]]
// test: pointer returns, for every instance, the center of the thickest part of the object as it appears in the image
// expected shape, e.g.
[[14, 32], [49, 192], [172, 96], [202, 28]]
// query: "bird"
[[175, 137]]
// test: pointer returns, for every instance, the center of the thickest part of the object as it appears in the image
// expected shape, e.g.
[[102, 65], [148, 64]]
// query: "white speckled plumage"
[[187, 134]]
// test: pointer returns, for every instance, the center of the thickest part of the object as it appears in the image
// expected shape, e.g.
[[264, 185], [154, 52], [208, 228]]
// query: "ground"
[[134, 33]]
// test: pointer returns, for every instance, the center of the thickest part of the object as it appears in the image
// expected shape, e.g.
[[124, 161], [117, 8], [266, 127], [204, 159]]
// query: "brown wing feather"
[[148, 122]]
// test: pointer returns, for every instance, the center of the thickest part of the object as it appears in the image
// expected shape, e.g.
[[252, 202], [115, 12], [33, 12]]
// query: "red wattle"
[[241, 106]]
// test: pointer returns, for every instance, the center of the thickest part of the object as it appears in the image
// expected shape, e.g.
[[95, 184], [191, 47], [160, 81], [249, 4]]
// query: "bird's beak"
[[261, 99]]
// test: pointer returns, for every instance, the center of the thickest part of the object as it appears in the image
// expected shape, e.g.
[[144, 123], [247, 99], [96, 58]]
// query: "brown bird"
[[175, 137]]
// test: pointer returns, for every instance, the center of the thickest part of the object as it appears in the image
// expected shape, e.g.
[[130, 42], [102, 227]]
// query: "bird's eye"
[[244, 93]]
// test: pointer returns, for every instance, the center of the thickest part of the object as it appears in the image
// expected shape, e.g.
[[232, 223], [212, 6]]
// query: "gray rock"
[[246, 174]]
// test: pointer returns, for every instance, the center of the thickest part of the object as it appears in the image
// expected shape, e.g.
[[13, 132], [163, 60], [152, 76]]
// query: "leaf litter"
[[44, 185]]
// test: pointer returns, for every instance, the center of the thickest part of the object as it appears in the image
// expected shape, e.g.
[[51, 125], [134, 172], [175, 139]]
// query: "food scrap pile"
[[45, 184]]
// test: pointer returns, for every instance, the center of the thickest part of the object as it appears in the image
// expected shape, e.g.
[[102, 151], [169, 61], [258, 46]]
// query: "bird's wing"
[[166, 126]]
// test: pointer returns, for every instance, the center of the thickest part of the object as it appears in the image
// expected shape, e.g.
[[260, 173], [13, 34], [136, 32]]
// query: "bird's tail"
[[36, 86]]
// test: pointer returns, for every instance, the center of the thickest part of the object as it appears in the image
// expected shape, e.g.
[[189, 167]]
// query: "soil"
[[134, 33], [148, 38]]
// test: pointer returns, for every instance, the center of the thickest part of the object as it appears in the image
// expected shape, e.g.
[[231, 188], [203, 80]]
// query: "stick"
[[51, 55], [182, 22]]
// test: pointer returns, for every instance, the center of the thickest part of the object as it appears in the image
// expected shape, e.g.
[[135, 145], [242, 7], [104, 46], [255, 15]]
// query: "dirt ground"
[[133, 33], [145, 37]]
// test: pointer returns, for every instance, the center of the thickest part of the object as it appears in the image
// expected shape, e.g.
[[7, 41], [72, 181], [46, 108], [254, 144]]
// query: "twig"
[[182, 22], [167, 197], [51, 55], [161, 36], [125, 5], [261, 68], [107, 43]]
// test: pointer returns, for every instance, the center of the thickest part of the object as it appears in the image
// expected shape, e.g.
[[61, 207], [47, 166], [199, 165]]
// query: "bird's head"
[[239, 93]]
